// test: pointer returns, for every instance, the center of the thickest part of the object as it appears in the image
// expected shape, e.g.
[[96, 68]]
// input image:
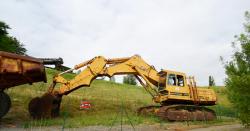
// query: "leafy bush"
[[238, 75], [129, 79]]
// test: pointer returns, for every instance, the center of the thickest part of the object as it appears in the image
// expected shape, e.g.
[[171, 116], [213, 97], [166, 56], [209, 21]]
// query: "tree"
[[9, 43], [112, 79], [129, 79], [211, 81], [238, 74]]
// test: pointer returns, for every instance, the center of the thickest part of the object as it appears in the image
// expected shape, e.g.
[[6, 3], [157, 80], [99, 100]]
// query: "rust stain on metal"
[[179, 112], [17, 69], [186, 113]]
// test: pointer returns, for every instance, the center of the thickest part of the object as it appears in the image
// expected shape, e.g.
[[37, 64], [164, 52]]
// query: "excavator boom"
[[99, 66]]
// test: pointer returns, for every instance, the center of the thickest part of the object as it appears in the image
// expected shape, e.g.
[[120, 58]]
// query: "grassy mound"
[[110, 102]]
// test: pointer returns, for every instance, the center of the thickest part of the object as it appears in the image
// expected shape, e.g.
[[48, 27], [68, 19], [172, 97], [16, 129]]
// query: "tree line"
[[9, 43]]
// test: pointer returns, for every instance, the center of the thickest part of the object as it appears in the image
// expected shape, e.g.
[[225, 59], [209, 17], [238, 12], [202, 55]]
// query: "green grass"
[[223, 107], [107, 100]]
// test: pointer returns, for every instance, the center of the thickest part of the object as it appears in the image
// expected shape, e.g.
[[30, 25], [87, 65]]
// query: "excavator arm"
[[98, 66]]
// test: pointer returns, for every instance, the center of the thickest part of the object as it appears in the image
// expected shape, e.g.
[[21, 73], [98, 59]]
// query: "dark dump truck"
[[17, 70]]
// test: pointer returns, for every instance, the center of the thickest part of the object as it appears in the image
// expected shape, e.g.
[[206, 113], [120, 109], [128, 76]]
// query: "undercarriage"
[[180, 112]]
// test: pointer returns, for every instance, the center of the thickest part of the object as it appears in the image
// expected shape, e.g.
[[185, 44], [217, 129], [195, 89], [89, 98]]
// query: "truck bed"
[[17, 70]]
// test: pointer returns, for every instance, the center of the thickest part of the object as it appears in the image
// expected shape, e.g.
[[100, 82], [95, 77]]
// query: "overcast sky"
[[183, 35]]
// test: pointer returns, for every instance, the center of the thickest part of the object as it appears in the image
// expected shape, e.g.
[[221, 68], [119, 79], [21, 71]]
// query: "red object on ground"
[[85, 105]]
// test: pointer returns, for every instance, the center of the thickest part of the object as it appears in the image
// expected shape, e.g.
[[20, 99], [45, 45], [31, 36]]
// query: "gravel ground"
[[89, 128], [236, 127], [168, 127]]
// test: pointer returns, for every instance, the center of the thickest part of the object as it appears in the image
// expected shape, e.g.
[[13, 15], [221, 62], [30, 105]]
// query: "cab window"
[[180, 80], [172, 79]]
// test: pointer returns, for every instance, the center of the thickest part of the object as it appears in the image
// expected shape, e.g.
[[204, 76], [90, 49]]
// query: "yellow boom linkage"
[[179, 97]]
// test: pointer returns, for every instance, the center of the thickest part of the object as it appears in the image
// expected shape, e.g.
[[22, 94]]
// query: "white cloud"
[[187, 36]]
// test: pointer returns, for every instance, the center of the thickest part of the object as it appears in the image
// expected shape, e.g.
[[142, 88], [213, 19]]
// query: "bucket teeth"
[[47, 106]]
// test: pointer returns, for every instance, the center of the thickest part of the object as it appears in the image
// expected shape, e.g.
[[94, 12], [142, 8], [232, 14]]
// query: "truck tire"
[[5, 103]]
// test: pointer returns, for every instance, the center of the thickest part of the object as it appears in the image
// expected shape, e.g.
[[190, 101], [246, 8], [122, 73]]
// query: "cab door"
[[176, 87]]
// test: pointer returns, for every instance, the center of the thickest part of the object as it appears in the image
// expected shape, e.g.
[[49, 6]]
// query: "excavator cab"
[[179, 89], [175, 85]]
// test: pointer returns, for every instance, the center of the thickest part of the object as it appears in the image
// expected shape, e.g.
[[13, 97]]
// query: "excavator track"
[[180, 112], [148, 110]]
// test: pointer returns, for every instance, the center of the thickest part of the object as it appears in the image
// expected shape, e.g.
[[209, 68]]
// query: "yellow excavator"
[[177, 94]]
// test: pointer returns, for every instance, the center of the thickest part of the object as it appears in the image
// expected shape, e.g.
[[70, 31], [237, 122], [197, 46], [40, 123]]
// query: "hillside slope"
[[110, 102], [107, 100]]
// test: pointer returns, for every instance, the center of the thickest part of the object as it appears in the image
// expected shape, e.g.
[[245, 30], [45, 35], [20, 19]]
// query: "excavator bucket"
[[46, 106]]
